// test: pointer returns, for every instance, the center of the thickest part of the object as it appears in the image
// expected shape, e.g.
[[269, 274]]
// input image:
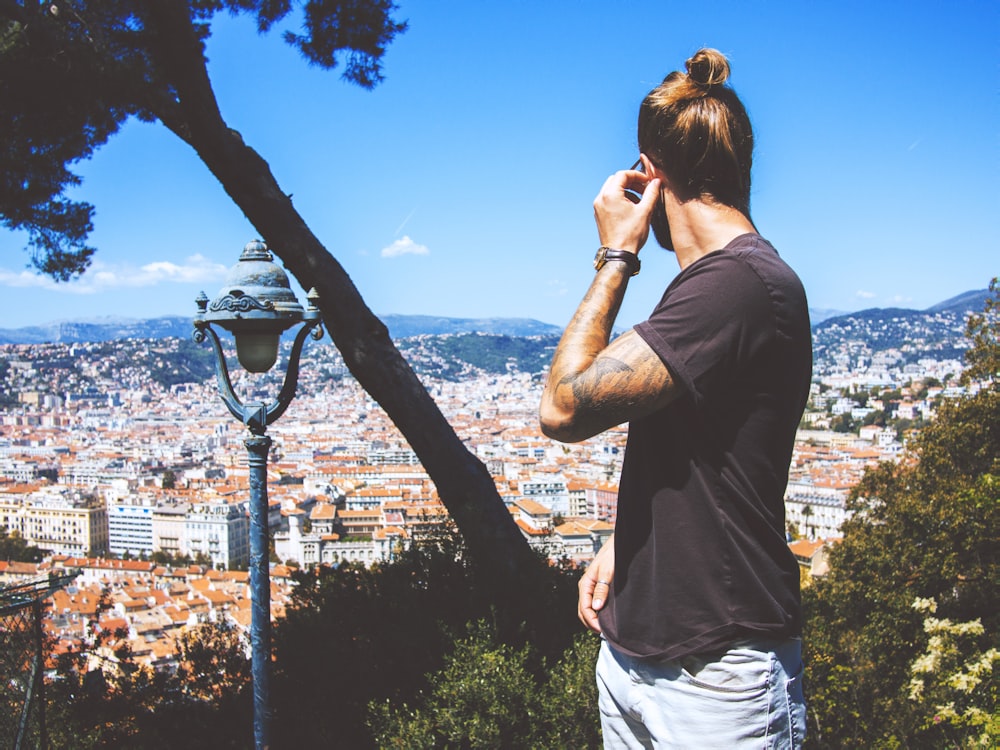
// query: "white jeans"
[[749, 696]]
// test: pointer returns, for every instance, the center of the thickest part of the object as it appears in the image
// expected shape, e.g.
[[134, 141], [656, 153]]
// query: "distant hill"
[[973, 301], [179, 326], [102, 329], [970, 301], [405, 326], [454, 356], [408, 326], [162, 349], [935, 333]]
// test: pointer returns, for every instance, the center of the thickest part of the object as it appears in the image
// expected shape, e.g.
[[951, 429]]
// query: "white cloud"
[[101, 277], [864, 295], [404, 246], [25, 279]]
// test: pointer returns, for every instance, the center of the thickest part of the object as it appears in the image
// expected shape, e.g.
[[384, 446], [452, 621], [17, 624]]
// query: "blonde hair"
[[695, 129]]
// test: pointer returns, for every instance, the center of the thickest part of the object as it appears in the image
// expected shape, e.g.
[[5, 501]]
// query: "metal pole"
[[239, 310], [43, 738], [260, 592]]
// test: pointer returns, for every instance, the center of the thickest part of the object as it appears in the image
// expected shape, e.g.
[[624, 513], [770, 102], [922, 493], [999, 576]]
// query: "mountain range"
[[179, 326], [407, 326]]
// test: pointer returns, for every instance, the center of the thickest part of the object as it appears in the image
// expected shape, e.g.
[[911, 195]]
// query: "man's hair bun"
[[696, 130], [708, 68]]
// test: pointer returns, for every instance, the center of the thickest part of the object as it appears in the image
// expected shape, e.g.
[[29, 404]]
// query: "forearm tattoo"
[[597, 385]]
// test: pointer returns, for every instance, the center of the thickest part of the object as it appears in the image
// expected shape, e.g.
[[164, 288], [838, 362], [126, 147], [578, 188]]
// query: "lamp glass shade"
[[257, 352]]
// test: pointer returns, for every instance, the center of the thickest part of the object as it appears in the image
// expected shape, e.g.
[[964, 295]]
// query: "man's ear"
[[649, 168], [654, 172]]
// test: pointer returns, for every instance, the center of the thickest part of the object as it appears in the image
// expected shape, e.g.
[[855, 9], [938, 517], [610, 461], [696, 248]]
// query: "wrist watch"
[[605, 253]]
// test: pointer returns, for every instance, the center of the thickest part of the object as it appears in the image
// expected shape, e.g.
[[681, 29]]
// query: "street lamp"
[[257, 305]]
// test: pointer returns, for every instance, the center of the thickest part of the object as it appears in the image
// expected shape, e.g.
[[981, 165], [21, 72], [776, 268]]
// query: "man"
[[697, 594]]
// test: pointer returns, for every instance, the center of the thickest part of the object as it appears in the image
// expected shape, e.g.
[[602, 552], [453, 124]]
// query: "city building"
[[816, 511], [62, 520], [130, 527], [219, 530]]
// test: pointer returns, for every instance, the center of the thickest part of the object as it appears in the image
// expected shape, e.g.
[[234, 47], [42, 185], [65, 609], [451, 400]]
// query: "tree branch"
[[464, 484]]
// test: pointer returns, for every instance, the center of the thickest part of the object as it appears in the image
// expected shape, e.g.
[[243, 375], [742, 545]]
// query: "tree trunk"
[[465, 486]]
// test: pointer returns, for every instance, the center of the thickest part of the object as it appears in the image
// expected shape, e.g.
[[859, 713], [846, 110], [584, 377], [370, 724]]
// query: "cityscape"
[[383, 549], [119, 461]]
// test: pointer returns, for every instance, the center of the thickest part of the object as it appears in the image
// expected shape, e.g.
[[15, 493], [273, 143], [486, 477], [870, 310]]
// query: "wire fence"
[[22, 662]]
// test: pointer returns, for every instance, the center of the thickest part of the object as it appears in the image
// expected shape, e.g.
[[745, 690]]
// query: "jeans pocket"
[[742, 671]]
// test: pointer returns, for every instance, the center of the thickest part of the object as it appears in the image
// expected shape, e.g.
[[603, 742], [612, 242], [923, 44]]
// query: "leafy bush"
[[353, 636], [489, 695]]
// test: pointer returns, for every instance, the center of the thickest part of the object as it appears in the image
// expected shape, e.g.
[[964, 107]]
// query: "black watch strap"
[[605, 253]]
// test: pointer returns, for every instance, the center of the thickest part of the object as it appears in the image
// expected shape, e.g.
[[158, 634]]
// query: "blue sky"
[[462, 186]]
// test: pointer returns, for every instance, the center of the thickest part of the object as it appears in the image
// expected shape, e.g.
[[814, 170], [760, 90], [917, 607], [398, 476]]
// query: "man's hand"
[[593, 385], [621, 222], [595, 585]]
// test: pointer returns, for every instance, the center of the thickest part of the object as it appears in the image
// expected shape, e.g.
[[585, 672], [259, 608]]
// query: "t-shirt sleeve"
[[711, 322]]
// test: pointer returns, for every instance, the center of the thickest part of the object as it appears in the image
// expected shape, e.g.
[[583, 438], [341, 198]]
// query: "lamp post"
[[256, 305]]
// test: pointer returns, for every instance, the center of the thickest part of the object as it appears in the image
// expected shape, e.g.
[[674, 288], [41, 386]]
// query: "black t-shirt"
[[700, 553]]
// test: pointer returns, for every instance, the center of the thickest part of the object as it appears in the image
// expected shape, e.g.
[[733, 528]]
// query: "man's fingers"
[[650, 194], [600, 594]]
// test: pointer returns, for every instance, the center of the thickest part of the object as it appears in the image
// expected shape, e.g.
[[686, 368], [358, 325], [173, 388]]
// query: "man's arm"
[[593, 384]]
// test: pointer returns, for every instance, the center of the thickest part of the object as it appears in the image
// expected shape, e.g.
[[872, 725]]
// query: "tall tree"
[[73, 71], [924, 529]]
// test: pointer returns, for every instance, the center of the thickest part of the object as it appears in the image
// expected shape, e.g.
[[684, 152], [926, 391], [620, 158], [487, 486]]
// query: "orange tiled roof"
[[528, 529]]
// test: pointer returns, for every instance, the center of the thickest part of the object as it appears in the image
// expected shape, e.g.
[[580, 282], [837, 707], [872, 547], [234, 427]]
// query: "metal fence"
[[22, 662]]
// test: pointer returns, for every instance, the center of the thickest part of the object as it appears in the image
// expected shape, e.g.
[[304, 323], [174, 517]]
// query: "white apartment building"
[[580, 539], [100, 473], [816, 511], [552, 493], [130, 526], [322, 546], [169, 523], [221, 531], [397, 455], [25, 472]]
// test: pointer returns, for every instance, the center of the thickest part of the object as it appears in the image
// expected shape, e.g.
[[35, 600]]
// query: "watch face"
[[599, 258]]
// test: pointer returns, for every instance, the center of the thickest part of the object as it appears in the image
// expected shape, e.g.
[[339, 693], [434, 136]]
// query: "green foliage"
[[925, 528], [72, 74], [121, 704], [169, 480], [876, 417], [983, 330], [363, 27], [492, 353], [354, 635], [890, 328], [5, 397], [189, 363], [14, 548], [165, 558], [213, 662], [357, 649], [489, 353], [490, 695], [843, 423], [165, 362]]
